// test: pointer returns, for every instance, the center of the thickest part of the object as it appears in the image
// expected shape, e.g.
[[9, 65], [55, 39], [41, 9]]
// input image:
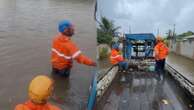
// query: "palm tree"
[[106, 31], [107, 26]]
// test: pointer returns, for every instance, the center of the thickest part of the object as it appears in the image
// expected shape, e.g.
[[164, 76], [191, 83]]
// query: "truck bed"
[[141, 91]]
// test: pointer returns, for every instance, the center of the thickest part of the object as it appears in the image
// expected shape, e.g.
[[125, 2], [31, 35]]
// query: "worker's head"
[[40, 89], [115, 46], [159, 39], [66, 27]]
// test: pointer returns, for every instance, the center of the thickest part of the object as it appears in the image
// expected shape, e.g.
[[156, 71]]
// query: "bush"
[[103, 53]]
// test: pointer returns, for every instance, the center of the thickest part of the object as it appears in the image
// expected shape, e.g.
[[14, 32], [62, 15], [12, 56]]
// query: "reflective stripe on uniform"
[[76, 54], [115, 56], [61, 54], [67, 57]]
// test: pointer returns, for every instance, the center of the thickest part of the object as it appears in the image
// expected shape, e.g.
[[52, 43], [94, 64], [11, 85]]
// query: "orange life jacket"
[[31, 106], [161, 51], [115, 57], [64, 51]]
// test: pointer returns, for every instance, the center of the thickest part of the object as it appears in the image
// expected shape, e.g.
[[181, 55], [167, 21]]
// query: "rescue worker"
[[64, 51], [161, 52], [39, 92], [117, 59]]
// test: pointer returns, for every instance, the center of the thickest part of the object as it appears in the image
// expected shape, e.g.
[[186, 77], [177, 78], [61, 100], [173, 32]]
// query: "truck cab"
[[137, 46], [139, 50]]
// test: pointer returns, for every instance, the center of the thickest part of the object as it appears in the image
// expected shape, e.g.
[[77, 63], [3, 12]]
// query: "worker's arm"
[[156, 53], [167, 50], [82, 59], [119, 58], [52, 107], [79, 57]]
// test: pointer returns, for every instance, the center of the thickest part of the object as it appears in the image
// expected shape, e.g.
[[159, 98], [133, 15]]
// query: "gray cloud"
[[148, 15]]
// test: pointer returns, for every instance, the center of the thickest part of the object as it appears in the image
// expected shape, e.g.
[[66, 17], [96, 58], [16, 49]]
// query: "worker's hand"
[[93, 64]]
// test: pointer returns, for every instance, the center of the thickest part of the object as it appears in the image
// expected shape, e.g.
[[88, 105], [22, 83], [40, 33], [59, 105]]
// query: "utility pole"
[[129, 29], [174, 29], [158, 31]]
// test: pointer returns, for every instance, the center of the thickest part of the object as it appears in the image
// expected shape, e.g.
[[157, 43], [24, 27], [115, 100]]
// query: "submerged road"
[[27, 28], [141, 91]]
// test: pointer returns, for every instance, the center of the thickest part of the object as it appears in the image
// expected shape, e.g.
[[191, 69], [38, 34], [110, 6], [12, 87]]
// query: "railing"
[[93, 88], [105, 80], [93, 92], [182, 79], [100, 76]]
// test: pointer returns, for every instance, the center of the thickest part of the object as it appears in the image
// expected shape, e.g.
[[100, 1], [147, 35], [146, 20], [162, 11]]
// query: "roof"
[[143, 36]]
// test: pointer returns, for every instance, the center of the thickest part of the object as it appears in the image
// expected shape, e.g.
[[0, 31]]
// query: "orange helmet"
[[40, 89]]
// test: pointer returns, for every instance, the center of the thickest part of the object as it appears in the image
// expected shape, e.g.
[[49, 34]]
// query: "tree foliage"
[[106, 31], [103, 38], [185, 34]]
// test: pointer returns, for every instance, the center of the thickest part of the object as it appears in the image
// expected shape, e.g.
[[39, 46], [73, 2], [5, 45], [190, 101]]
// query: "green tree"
[[103, 38], [188, 33], [106, 31]]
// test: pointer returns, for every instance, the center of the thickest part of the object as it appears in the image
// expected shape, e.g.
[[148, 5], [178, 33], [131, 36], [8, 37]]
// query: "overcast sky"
[[148, 15]]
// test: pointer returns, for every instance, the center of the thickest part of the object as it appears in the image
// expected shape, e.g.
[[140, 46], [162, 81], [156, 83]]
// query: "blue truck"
[[138, 45], [135, 46]]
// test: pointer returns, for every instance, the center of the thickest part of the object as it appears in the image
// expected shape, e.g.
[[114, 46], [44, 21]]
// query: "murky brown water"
[[26, 30]]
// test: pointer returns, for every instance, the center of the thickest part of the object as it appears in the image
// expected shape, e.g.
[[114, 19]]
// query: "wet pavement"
[[141, 91], [182, 64], [26, 30]]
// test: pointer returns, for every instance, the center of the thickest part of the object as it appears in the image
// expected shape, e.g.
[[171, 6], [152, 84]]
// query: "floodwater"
[[141, 91], [26, 30]]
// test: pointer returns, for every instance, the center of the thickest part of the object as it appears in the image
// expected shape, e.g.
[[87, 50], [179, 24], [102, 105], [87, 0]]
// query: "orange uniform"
[[161, 51], [115, 57], [31, 106], [64, 51]]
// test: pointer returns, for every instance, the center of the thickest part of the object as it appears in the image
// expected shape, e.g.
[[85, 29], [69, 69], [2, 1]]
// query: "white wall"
[[185, 48]]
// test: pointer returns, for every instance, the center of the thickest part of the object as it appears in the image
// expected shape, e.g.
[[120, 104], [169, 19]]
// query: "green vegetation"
[[103, 38], [185, 34], [180, 36], [106, 31], [103, 52]]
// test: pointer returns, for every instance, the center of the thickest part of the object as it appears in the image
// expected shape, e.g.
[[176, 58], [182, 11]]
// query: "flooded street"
[[141, 91], [26, 31]]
